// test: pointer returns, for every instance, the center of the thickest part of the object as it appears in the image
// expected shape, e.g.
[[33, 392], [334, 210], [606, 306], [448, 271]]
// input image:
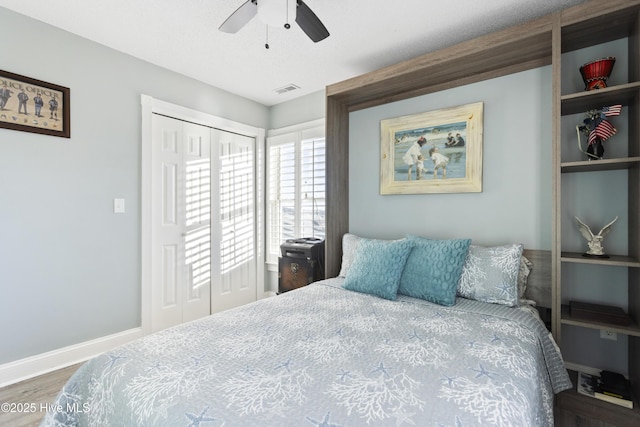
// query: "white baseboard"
[[29, 367]]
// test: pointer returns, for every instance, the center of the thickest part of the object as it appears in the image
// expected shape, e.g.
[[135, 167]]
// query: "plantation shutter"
[[312, 188], [296, 188], [282, 195]]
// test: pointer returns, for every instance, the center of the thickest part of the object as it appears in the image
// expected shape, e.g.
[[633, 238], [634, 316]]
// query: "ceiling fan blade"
[[310, 24], [240, 17]]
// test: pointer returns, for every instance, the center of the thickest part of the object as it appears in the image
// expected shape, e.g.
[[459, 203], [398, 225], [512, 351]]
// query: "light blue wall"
[[300, 110], [69, 266], [515, 204]]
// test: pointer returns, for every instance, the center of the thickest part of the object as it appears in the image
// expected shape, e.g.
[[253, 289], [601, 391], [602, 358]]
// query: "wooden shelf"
[[501, 53], [600, 165], [613, 260], [587, 26], [573, 408], [594, 99], [566, 319]]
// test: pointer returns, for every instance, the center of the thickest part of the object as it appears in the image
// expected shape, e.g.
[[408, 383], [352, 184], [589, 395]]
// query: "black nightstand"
[[295, 273], [301, 263]]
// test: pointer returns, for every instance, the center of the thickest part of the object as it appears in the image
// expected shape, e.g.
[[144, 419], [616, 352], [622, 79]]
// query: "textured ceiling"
[[183, 36]]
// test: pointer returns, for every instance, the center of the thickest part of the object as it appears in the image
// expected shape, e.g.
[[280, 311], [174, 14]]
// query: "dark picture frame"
[[31, 105]]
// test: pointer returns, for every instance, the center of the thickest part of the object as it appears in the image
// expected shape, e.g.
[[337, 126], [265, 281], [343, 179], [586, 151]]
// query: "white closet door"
[[234, 230], [181, 222], [197, 221]]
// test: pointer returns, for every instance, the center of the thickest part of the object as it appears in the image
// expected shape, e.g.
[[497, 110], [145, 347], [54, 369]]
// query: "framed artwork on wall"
[[433, 152], [31, 105]]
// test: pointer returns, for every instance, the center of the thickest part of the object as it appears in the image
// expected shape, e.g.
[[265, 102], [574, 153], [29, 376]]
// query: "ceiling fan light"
[[276, 13]]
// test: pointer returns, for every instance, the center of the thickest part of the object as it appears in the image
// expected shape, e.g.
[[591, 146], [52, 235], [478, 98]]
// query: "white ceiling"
[[183, 36]]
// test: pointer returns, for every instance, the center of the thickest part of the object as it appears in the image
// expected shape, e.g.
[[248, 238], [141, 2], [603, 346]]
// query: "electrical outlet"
[[608, 335]]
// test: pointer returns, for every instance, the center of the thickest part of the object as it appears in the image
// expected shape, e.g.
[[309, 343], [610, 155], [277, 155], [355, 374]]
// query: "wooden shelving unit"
[[578, 410], [527, 46], [584, 27]]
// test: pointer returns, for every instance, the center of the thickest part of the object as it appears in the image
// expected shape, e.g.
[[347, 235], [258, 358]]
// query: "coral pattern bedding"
[[326, 356]]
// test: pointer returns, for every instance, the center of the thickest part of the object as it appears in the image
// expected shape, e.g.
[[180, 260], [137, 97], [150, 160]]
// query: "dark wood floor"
[[34, 393]]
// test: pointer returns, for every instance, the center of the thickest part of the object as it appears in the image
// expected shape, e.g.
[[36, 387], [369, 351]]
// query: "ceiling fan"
[[276, 13]]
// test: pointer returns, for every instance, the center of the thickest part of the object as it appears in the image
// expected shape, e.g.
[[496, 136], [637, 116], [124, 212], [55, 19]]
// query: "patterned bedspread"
[[325, 356]]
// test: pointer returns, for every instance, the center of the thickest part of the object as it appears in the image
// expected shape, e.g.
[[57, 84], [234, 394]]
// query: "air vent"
[[287, 88]]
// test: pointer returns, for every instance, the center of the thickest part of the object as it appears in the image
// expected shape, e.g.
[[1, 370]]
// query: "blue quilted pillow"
[[433, 269], [377, 266]]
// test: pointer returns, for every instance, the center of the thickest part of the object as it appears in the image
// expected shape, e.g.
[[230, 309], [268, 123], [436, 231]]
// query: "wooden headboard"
[[539, 282]]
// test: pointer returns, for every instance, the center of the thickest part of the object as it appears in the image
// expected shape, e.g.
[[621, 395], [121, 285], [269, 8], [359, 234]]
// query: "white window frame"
[[292, 134]]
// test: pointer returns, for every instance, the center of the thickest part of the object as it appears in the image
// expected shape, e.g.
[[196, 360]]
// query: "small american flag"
[[613, 110], [603, 130]]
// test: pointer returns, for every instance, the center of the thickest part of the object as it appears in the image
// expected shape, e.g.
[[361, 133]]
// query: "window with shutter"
[[295, 188]]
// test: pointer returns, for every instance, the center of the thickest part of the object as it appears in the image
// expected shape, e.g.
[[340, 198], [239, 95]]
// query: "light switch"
[[118, 205]]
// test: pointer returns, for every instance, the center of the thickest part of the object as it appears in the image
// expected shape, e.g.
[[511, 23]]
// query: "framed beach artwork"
[[433, 152], [31, 105]]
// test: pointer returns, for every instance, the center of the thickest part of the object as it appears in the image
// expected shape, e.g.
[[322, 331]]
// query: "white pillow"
[[490, 274], [349, 244]]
